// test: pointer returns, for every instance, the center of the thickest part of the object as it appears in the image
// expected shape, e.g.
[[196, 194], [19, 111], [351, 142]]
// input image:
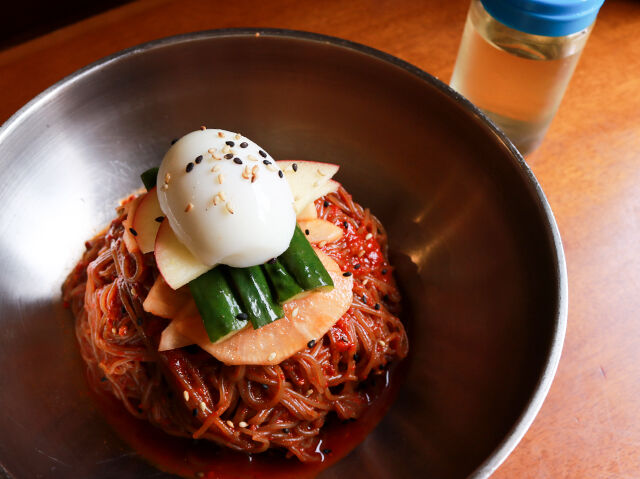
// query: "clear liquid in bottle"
[[517, 79]]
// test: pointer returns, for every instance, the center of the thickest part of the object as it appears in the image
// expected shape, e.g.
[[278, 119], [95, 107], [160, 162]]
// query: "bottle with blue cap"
[[516, 58]]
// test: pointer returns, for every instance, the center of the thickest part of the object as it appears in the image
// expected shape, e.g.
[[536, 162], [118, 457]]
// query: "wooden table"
[[589, 167]]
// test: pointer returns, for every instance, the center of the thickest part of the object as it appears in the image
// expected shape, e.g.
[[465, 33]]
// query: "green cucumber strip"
[[303, 263], [254, 295], [282, 282], [149, 178], [217, 304]]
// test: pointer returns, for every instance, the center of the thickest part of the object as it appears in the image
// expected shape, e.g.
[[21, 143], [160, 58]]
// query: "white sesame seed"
[[222, 196], [254, 170], [321, 172], [214, 200], [226, 149], [230, 424], [238, 136], [203, 406], [322, 243], [361, 253], [294, 313], [251, 158], [216, 168], [220, 178], [243, 424], [229, 207], [272, 167], [167, 178], [211, 150], [114, 331], [369, 236], [165, 187], [382, 343], [246, 174], [186, 395], [309, 392], [188, 208], [364, 283], [272, 356]]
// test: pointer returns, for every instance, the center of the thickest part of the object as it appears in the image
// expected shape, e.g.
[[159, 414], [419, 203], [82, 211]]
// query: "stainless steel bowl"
[[478, 253]]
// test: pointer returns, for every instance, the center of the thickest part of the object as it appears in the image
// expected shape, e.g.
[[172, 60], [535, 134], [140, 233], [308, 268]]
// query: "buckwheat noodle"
[[187, 392]]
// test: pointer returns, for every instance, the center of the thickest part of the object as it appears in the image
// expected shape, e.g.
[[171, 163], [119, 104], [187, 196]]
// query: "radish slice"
[[163, 301], [305, 319]]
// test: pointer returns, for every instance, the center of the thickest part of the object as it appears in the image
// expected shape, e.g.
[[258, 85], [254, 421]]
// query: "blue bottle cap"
[[549, 18]]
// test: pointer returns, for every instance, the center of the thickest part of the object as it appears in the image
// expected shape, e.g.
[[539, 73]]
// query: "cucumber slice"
[[149, 178], [254, 295], [217, 304], [303, 264], [282, 282]]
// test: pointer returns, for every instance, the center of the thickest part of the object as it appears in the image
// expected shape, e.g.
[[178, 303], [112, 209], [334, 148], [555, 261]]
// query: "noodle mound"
[[255, 408]]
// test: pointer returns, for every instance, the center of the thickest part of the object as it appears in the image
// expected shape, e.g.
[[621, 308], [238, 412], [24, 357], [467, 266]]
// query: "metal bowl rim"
[[534, 403]]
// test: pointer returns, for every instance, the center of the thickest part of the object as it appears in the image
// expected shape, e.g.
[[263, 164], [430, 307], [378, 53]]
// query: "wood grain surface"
[[588, 165]]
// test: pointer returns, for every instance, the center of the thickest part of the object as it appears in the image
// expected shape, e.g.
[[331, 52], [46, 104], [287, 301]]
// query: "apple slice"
[[306, 180], [318, 230], [129, 236], [175, 262], [145, 221], [309, 212]]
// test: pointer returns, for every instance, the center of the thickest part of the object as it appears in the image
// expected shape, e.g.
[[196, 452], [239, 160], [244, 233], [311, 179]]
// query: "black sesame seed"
[[244, 144], [386, 298], [272, 261], [311, 343], [230, 143], [228, 156], [326, 204], [294, 166], [306, 232], [377, 307], [189, 167], [198, 159], [264, 386], [347, 274], [384, 271], [280, 174], [356, 266], [237, 161], [123, 310], [103, 378], [174, 141], [194, 412], [262, 154], [266, 162], [242, 316], [286, 430], [159, 219], [356, 357], [133, 232], [139, 321], [364, 299], [326, 451], [345, 224]]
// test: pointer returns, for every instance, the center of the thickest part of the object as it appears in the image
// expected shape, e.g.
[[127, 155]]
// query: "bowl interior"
[[469, 235]]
